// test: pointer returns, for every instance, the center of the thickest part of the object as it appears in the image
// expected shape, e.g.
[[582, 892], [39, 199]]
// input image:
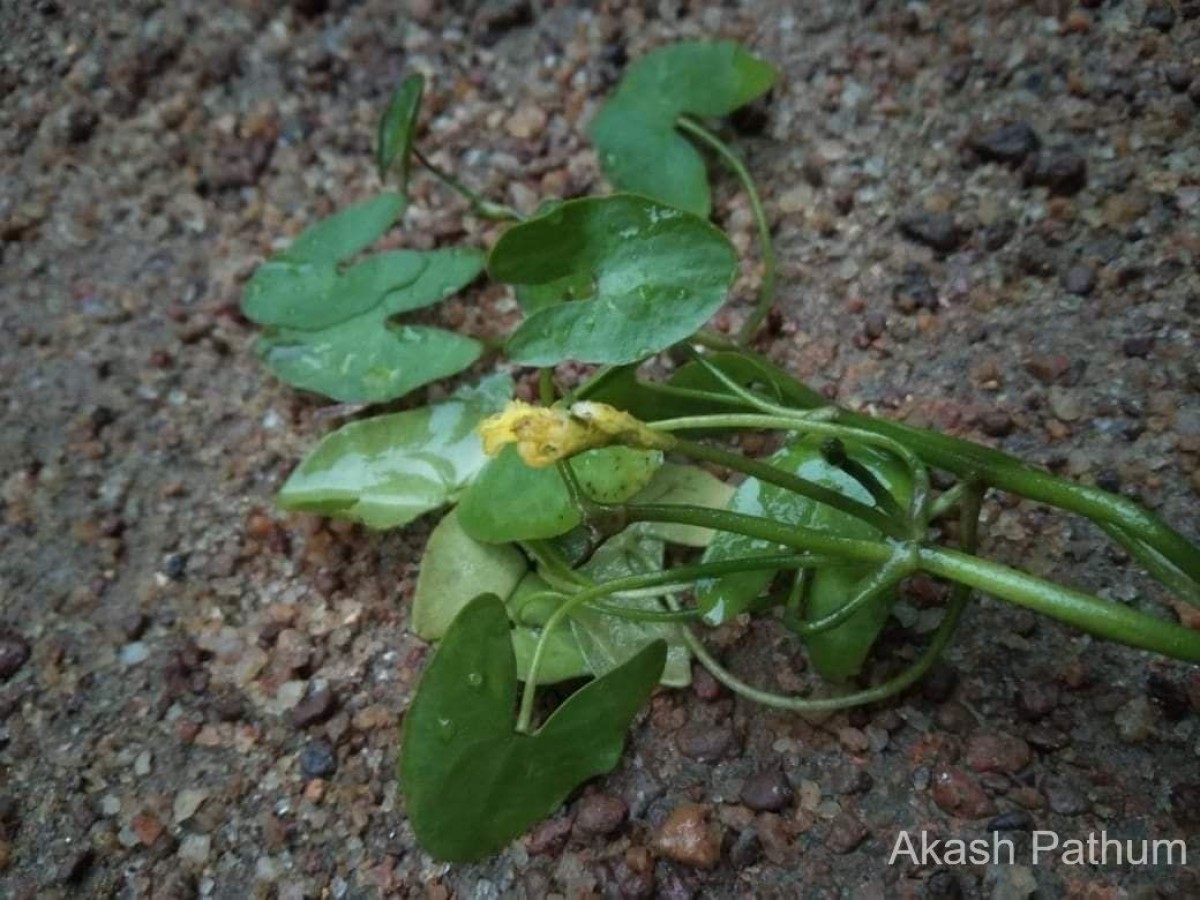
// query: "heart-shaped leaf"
[[359, 355], [639, 276], [472, 783], [455, 569], [607, 641], [511, 501], [634, 132], [724, 598], [386, 471], [397, 129]]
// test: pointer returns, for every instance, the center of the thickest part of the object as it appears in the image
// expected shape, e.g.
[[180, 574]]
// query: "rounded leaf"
[[511, 501], [657, 275], [455, 569], [634, 132]]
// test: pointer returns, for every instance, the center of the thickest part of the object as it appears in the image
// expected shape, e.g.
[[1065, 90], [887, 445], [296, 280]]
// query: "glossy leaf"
[[607, 641], [511, 501], [387, 470], [455, 569], [657, 273], [634, 132], [471, 783], [679, 484], [724, 598], [397, 130], [363, 356]]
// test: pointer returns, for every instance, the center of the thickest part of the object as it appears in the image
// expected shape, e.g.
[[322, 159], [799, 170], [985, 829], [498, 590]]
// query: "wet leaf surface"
[[656, 274], [387, 470]]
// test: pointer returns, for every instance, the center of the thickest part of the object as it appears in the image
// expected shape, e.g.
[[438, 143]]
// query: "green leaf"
[[679, 484], [656, 274], [455, 569], [471, 783], [296, 288], [562, 660], [526, 609], [634, 133], [387, 470], [347, 233], [724, 598], [608, 641], [397, 130], [511, 501], [359, 355]]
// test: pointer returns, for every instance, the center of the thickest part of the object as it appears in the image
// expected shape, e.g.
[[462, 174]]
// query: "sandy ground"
[[200, 695]]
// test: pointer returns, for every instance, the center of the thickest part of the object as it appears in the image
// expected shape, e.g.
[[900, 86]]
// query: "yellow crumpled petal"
[[546, 434]]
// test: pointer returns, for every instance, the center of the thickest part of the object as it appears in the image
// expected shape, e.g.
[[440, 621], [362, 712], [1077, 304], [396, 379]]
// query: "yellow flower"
[[546, 434]]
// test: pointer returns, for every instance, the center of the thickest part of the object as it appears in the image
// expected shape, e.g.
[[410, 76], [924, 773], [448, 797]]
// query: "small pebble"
[[704, 742], [991, 751], [1064, 798], [1008, 143], [958, 794], [1062, 171], [936, 230], [1160, 16], [768, 791], [846, 832], [317, 760], [14, 651], [598, 814], [689, 837], [1079, 280], [316, 707]]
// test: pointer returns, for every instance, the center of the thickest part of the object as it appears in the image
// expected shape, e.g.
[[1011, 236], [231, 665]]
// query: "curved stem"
[[883, 579], [480, 204], [766, 291], [903, 681], [634, 582]]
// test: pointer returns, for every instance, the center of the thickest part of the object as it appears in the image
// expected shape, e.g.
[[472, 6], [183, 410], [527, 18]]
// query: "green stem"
[[903, 681], [783, 421], [480, 204], [1159, 567], [1102, 618], [766, 292], [634, 582], [946, 502], [883, 579], [794, 483], [796, 536]]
